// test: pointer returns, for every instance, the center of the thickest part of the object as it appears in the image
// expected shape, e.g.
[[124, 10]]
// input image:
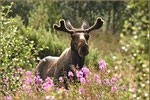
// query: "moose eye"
[[86, 37]]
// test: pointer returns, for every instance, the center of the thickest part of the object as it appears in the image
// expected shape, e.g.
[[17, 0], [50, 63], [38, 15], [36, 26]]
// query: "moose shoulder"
[[75, 55]]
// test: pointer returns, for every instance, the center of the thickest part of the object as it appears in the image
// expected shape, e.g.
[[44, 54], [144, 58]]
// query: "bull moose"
[[73, 56]]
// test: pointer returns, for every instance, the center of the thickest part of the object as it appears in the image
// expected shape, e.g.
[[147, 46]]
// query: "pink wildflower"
[[20, 69], [82, 80], [99, 81], [113, 80], [102, 64], [6, 80], [28, 73], [133, 89], [4, 87], [7, 98], [38, 80], [106, 81], [49, 80], [97, 95], [85, 70], [70, 74], [103, 92], [44, 86], [80, 89], [79, 74], [61, 79], [113, 89], [28, 81], [96, 76]]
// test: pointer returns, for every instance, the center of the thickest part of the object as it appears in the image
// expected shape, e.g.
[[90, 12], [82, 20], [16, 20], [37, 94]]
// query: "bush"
[[93, 57], [16, 51], [135, 44], [40, 30]]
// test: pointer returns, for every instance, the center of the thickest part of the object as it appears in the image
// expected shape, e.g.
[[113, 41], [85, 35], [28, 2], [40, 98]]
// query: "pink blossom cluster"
[[100, 80]]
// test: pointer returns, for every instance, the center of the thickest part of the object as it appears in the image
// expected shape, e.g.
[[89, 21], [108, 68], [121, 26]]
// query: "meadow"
[[117, 67]]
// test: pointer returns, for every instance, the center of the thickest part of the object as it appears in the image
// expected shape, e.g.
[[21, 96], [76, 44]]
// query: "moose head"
[[80, 36]]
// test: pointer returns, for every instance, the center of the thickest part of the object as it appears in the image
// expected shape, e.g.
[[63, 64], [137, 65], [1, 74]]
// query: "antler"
[[62, 27], [99, 23]]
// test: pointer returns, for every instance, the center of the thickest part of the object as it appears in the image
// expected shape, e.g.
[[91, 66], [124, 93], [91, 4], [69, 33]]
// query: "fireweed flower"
[[28, 73], [133, 89], [46, 86], [106, 81], [79, 74], [6, 80], [7, 98], [113, 80], [20, 69], [96, 76], [85, 70], [49, 80], [113, 89], [82, 80], [99, 81], [38, 80], [102, 64], [61, 79], [70, 74], [97, 95], [103, 92], [80, 90], [28, 81]]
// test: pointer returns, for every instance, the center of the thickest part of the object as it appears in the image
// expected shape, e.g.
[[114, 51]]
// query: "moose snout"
[[83, 50]]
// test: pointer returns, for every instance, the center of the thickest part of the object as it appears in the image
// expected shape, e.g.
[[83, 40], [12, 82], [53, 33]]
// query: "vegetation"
[[116, 67]]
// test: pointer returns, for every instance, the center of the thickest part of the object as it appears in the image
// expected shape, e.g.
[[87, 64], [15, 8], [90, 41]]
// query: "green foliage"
[[39, 29], [16, 51], [135, 42], [135, 35], [50, 41], [44, 14], [93, 57]]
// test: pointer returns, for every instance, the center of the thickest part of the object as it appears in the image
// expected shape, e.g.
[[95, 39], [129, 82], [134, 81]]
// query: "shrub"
[[93, 57], [40, 30], [16, 51], [135, 44]]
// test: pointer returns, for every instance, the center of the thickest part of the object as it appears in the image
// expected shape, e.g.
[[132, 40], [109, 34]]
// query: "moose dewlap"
[[74, 56]]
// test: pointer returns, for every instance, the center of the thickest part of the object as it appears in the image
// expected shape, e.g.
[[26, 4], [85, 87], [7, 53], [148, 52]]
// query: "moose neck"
[[76, 59]]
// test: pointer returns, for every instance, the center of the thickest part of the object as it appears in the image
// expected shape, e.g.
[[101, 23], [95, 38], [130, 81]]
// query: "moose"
[[74, 56]]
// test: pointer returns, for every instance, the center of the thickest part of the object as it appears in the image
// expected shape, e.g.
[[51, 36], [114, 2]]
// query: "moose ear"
[[98, 24], [68, 25], [84, 25]]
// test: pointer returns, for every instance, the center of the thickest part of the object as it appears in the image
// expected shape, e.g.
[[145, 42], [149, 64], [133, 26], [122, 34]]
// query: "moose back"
[[73, 56]]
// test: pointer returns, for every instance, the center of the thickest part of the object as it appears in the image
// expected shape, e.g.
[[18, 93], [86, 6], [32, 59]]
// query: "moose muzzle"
[[83, 50]]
